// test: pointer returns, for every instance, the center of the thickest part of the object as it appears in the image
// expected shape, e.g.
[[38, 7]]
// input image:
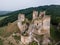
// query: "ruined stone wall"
[[40, 24], [46, 24]]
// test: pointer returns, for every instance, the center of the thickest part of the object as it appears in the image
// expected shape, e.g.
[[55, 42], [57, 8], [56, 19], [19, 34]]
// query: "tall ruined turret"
[[21, 17], [35, 14], [45, 21], [42, 14]]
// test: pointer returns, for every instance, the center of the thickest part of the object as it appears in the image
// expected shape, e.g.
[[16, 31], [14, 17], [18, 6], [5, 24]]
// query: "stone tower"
[[42, 14], [35, 14], [46, 24], [45, 21], [21, 17]]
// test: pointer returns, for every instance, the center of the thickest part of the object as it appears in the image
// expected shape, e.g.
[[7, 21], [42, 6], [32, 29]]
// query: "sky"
[[12, 5]]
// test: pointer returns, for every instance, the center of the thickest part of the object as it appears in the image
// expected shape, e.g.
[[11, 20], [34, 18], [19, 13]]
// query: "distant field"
[[3, 17]]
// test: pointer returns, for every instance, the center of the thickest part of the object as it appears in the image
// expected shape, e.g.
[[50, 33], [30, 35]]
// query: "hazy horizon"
[[12, 5]]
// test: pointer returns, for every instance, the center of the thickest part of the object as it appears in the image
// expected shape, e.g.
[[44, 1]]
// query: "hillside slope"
[[53, 10]]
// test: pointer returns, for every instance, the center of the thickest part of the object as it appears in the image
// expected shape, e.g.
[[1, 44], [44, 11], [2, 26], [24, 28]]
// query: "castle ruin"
[[39, 25]]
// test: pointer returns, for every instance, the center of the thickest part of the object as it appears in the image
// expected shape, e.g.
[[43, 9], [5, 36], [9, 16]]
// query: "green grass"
[[17, 37], [54, 33], [3, 17], [3, 32], [2, 29], [10, 43], [33, 43], [1, 42]]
